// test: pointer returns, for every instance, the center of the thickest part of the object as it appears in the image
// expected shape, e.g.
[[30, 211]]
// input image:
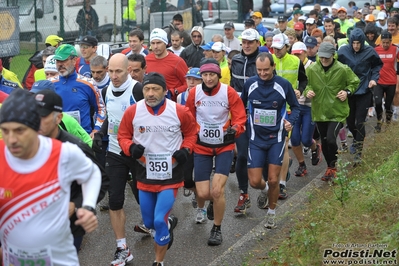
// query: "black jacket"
[[90, 24], [242, 67], [76, 189]]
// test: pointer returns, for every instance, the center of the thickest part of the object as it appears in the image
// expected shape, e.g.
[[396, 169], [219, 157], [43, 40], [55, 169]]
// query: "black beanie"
[[155, 78], [20, 107]]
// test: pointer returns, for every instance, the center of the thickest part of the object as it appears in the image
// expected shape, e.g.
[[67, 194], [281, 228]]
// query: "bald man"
[[122, 92]]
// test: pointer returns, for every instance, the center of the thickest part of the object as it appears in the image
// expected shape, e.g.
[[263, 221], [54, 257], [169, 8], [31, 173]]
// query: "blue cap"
[[310, 41], [263, 49], [42, 85], [207, 46], [194, 72]]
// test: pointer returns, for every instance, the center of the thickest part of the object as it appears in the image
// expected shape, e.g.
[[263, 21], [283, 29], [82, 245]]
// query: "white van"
[[48, 18]]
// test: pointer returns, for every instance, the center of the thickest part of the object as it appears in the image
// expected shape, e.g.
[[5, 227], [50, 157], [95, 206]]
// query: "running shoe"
[[283, 192], [187, 192], [243, 203], [344, 148], [352, 148], [172, 224], [378, 128], [121, 257], [104, 207], [316, 155], [157, 264], [201, 216], [306, 151], [301, 170], [271, 221], [216, 237], [209, 211], [194, 201], [141, 228], [330, 174], [262, 201]]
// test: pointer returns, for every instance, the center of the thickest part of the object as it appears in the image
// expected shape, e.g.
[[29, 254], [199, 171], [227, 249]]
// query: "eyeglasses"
[[195, 36]]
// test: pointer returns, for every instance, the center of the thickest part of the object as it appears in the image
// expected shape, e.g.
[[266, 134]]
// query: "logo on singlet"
[[6, 193]]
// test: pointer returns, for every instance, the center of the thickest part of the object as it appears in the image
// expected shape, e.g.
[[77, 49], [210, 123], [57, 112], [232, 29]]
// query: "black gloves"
[[181, 155], [136, 151], [97, 145]]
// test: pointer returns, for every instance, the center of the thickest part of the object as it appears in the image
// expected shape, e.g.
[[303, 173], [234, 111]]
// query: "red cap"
[[298, 26]]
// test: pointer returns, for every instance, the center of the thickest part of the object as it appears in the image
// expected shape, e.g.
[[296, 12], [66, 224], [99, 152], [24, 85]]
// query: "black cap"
[[296, 6], [20, 107], [249, 22], [229, 25], [282, 18], [49, 101], [89, 40], [386, 35], [178, 17], [154, 78]]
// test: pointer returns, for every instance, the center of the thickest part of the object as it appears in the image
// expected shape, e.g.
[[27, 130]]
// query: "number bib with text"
[[113, 126], [211, 133], [266, 118], [74, 114], [28, 257], [159, 166]]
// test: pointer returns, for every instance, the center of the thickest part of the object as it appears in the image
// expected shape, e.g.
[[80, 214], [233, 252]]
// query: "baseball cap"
[[159, 34], [249, 22], [350, 12], [250, 35], [370, 18], [297, 11], [304, 18], [365, 11], [381, 16], [49, 101], [326, 50], [194, 72], [335, 6], [53, 40], [257, 14], [310, 21], [386, 35], [298, 26], [298, 48], [64, 51], [207, 46], [229, 25], [394, 9], [218, 47], [50, 64], [296, 5], [42, 85], [178, 17], [280, 40], [341, 9], [310, 41], [282, 18], [89, 40]]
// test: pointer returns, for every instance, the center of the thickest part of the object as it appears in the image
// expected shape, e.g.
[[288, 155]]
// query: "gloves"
[[136, 151], [98, 142], [181, 155]]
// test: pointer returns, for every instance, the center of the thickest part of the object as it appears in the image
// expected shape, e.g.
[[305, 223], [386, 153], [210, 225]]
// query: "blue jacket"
[[365, 63], [79, 94], [267, 107], [7, 86]]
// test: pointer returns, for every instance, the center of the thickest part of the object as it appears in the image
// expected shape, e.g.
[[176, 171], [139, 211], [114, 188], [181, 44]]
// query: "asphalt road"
[[190, 239]]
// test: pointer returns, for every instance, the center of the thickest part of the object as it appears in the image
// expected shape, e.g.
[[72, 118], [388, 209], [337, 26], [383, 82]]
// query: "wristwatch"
[[348, 92], [90, 209]]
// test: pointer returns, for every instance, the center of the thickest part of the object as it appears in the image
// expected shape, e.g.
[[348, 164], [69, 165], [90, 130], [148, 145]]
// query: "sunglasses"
[[196, 36]]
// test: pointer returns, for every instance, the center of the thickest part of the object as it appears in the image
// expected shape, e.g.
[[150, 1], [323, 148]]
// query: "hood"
[[357, 35], [200, 30], [371, 28]]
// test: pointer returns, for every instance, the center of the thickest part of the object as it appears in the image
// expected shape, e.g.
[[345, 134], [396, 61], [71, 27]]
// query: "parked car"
[[218, 28], [217, 11], [277, 8]]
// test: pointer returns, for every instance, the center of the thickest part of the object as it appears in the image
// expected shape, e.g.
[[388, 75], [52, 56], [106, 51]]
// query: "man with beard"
[[79, 94]]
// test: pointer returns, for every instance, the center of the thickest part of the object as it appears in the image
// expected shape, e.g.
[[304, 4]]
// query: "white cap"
[[335, 6], [303, 18], [104, 50], [298, 48], [381, 16], [50, 64], [218, 47], [250, 35], [396, 4], [280, 40], [159, 34], [310, 21]]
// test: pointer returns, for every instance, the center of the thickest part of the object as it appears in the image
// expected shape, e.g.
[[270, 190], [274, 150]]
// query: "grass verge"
[[362, 208]]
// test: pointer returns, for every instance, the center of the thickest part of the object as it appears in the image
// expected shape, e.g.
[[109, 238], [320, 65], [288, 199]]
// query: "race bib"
[[211, 133], [74, 114], [159, 166], [113, 126], [265, 118], [28, 257]]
